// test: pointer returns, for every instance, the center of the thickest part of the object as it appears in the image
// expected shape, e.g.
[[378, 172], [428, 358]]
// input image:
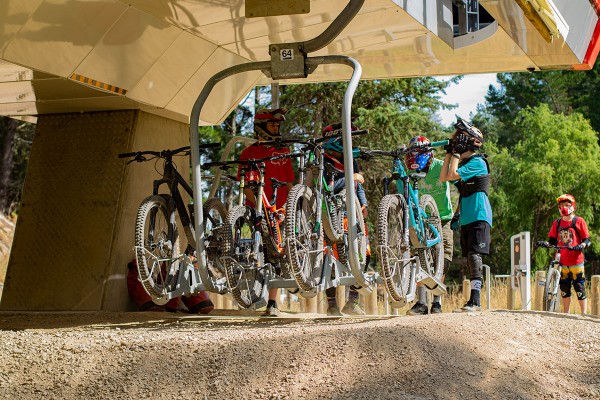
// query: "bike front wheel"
[[157, 246], [394, 249], [551, 290], [304, 235], [244, 259], [432, 257]]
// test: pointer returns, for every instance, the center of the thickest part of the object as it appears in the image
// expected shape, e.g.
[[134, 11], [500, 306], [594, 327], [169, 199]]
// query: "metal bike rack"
[[281, 68]]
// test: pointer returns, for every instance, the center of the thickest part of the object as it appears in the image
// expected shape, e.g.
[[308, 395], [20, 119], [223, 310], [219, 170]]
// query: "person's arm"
[[450, 168]]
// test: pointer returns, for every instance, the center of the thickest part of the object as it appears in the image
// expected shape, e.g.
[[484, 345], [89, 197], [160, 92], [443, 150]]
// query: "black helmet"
[[467, 137], [267, 115]]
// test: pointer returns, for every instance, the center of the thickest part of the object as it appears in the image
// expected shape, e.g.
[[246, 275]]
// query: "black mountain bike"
[[157, 241]]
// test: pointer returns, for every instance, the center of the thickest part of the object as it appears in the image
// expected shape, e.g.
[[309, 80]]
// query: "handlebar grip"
[[125, 155], [360, 132], [439, 143]]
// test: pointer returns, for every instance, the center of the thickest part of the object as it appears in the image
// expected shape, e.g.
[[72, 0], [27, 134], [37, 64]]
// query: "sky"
[[469, 92]]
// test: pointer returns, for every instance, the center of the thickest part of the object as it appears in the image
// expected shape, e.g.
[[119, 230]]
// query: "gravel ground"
[[488, 355]]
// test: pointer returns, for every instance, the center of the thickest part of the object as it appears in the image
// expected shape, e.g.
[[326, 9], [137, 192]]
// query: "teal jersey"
[[477, 206], [431, 185]]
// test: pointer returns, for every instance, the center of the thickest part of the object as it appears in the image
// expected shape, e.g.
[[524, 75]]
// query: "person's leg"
[[475, 262], [565, 283], [352, 306], [332, 308], [272, 310], [420, 307], [579, 286]]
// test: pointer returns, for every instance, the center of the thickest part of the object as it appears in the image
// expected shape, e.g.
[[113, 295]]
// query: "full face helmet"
[[467, 137], [336, 143], [419, 159], [566, 210], [265, 116]]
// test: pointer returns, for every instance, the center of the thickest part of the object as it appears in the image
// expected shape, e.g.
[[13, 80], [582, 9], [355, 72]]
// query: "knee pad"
[[579, 286], [475, 262], [565, 288]]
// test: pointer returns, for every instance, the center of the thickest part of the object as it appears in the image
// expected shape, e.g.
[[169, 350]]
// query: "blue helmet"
[[336, 143], [417, 159]]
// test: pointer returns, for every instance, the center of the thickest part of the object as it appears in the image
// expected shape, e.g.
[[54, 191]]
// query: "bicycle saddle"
[[276, 183]]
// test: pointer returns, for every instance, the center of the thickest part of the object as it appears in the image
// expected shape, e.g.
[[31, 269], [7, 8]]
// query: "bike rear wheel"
[[394, 250], [551, 290], [244, 257], [304, 236], [432, 258], [333, 219], [343, 244], [156, 248]]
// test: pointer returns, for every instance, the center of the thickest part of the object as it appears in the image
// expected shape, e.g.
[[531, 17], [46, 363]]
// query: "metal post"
[[466, 290], [540, 283], [595, 299], [275, 95]]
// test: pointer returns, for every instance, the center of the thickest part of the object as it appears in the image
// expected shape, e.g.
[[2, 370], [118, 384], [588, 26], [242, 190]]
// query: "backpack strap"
[[573, 225]]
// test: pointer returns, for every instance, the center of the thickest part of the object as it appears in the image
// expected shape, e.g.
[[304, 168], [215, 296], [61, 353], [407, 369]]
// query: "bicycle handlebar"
[[403, 150], [252, 161], [312, 141], [139, 155]]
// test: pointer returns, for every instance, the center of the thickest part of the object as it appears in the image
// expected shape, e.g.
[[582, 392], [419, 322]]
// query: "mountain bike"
[[409, 230], [158, 252], [552, 287], [313, 208], [250, 227]]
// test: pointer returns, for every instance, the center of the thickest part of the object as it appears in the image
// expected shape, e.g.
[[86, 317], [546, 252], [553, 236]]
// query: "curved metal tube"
[[336, 26], [196, 170]]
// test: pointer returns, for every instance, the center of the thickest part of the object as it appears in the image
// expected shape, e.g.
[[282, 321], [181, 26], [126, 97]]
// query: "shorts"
[[475, 237], [572, 275]]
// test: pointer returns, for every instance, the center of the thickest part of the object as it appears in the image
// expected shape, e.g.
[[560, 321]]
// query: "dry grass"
[[454, 299]]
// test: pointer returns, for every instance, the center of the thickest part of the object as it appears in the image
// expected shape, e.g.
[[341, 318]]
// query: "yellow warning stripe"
[[98, 84]]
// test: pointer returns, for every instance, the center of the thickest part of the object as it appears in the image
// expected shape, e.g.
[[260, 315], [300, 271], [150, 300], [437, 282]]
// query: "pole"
[[595, 295], [540, 283], [466, 290]]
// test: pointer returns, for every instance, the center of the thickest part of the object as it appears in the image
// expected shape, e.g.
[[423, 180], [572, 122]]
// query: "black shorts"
[[475, 237]]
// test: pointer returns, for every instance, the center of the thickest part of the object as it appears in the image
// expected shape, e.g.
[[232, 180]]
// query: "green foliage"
[[556, 154]]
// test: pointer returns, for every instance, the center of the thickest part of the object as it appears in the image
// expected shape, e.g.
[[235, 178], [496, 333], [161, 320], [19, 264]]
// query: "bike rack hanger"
[[281, 68]]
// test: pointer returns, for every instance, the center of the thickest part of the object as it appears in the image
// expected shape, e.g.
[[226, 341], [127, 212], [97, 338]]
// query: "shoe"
[[334, 311], [469, 307], [353, 308], [271, 312], [418, 309], [436, 308]]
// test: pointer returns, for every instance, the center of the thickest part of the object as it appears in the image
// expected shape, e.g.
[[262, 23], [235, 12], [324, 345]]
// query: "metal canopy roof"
[[156, 55]]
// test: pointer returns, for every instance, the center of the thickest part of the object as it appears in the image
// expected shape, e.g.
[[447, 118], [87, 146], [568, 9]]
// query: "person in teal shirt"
[[424, 161], [467, 167]]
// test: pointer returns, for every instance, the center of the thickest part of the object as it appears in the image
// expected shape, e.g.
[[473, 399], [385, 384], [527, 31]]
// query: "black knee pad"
[[475, 263], [579, 286], [565, 288]]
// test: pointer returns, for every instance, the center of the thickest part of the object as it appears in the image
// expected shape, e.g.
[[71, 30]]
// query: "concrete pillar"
[[75, 231], [510, 296], [540, 282]]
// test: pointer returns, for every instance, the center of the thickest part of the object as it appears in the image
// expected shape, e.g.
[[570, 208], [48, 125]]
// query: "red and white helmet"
[[267, 115]]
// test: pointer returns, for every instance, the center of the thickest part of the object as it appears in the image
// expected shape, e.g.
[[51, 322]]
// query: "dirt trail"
[[501, 355]]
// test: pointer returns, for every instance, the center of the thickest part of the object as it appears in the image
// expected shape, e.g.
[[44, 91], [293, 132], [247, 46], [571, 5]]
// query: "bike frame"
[[172, 178], [414, 217]]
